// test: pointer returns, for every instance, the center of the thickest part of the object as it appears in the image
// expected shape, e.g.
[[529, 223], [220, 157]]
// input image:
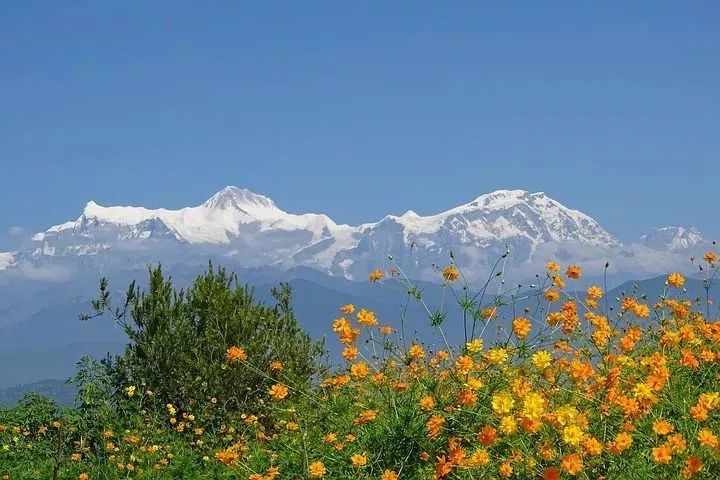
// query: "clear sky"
[[359, 109]]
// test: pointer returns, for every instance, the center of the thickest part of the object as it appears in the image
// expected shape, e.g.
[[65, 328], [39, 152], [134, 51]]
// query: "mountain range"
[[246, 229]]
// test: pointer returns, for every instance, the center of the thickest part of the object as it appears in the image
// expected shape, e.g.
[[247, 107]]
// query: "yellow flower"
[[502, 402], [533, 406], [317, 469], [427, 402], [82, 476], [130, 391], [676, 280], [541, 359], [350, 353], [474, 346], [572, 435], [496, 356], [348, 309], [359, 460]]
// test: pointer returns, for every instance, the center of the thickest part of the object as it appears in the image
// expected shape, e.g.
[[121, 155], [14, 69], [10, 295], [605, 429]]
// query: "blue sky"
[[358, 109]]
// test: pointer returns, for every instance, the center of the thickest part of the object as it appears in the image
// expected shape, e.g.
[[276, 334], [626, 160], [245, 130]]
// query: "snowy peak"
[[242, 199], [672, 238]]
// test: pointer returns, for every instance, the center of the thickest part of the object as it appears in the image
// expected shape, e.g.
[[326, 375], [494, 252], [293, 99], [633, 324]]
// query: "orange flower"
[[707, 438], [662, 454], [427, 402], [278, 391], [367, 318], [487, 436], [662, 427], [350, 353], [317, 469], [443, 467], [348, 309], [574, 271], [551, 473], [521, 327], [450, 273], [227, 457], [594, 292], [572, 463], [552, 295], [276, 366], [434, 425], [359, 370], [376, 275], [389, 475], [676, 280], [711, 258], [234, 354]]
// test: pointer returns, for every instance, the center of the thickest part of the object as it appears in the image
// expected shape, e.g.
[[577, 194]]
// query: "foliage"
[[179, 339], [580, 387]]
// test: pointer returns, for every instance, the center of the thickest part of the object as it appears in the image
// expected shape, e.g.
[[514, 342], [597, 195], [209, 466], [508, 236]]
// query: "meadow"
[[215, 385]]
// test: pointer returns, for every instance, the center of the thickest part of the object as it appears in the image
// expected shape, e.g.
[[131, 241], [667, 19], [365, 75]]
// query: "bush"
[[180, 339]]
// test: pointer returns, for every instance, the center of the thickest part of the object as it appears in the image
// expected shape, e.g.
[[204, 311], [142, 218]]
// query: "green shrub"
[[179, 339]]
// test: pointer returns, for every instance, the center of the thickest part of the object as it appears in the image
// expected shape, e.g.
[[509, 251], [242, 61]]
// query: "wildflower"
[[488, 313], [594, 292], [572, 463], [552, 295], [366, 417], [278, 391], [386, 330], [572, 435], [487, 436], [227, 457], [508, 425], [541, 359], [464, 364], [662, 454], [676, 280], [443, 467], [662, 427], [496, 356], [130, 391], [234, 354], [416, 352], [427, 402], [317, 469], [692, 465], [533, 406], [348, 309], [434, 425], [376, 275], [551, 473], [450, 273], [711, 258], [475, 346], [276, 366], [367, 318], [502, 403], [707, 438], [82, 476], [359, 370], [552, 266], [389, 475], [359, 460], [574, 272], [505, 469], [350, 353], [521, 327]]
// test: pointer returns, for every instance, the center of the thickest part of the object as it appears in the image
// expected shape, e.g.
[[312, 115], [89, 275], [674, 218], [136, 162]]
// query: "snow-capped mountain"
[[250, 230], [673, 238]]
